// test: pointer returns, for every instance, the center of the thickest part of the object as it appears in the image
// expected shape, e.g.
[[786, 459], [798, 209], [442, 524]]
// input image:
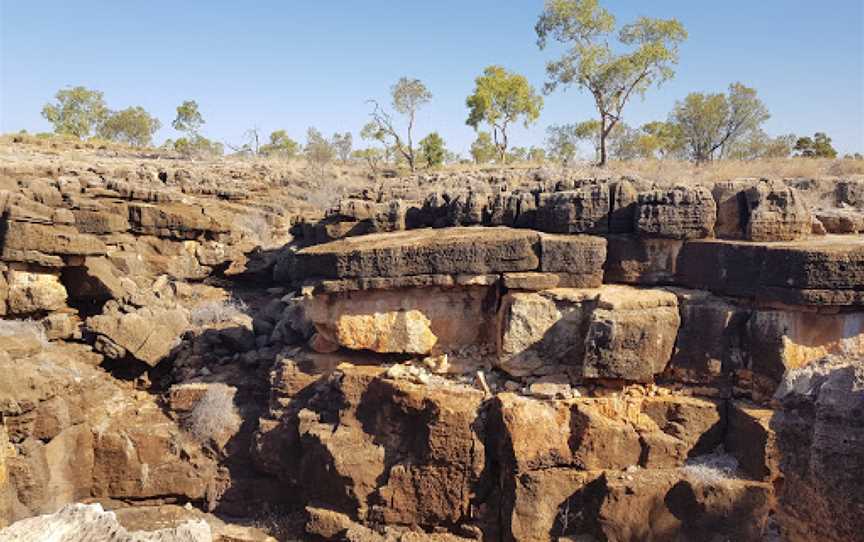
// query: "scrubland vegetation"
[[610, 61]]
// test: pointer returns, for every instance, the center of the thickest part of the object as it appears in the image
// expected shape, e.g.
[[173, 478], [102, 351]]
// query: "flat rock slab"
[[422, 252], [818, 271], [452, 251]]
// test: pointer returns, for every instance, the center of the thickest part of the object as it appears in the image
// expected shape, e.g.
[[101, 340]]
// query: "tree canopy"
[[590, 62], [76, 111], [433, 150], [500, 99], [712, 123], [133, 126], [817, 147], [188, 118]]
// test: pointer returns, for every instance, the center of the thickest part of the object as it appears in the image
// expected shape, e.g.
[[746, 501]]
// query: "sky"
[[292, 64]]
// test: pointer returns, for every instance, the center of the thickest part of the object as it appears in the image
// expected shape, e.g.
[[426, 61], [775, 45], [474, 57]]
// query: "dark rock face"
[[819, 435], [585, 210], [680, 213]]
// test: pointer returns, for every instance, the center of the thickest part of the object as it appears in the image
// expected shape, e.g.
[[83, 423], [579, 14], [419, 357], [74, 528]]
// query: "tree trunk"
[[603, 134]]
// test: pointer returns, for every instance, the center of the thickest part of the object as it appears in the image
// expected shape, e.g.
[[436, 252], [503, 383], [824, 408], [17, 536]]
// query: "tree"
[[432, 149], [562, 140], [319, 151], [536, 155], [590, 63], [758, 145], [818, 147], [711, 124], [77, 111], [280, 146], [500, 98], [517, 154], [133, 126], [188, 118], [342, 144], [408, 96], [372, 157], [483, 150], [662, 139]]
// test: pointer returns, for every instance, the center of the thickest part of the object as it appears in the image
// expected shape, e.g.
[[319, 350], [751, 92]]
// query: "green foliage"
[[372, 157], [77, 111], [197, 146], [133, 126], [591, 64], [433, 150], [500, 98], [517, 154], [281, 145], [711, 124], [662, 140], [188, 118], [408, 96], [562, 140], [483, 150], [342, 144], [817, 147], [537, 155], [319, 151], [757, 145]]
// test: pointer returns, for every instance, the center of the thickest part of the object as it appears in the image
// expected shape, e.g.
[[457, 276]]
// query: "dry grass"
[[712, 468], [217, 312], [214, 415]]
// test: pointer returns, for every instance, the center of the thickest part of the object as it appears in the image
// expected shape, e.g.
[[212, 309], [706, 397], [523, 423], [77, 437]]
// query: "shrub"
[[217, 312], [711, 468], [214, 415]]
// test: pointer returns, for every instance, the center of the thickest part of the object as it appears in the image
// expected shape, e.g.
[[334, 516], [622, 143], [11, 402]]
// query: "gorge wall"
[[517, 359]]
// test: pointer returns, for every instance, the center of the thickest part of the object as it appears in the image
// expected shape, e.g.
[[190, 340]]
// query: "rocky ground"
[[202, 351]]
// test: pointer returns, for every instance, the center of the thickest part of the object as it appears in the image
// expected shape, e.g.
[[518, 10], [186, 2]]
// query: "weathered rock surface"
[[422, 252], [819, 435], [631, 334], [680, 213]]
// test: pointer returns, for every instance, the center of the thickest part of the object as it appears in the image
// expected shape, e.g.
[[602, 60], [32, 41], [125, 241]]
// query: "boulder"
[[32, 292], [631, 334], [32, 242], [538, 332], [585, 210], [678, 213], [760, 211], [147, 334]]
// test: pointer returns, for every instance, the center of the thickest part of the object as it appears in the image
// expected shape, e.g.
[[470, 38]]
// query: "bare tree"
[[408, 96]]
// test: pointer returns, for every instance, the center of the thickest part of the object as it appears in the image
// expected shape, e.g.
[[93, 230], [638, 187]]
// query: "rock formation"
[[521, 358]]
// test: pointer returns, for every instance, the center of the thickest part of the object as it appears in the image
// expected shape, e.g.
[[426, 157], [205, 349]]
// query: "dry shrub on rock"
[[214, 415]]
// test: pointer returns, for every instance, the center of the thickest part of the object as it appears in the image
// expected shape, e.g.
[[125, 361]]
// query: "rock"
[[760, 211], [841, 221], [779, 341], [641, 260], [175, 220], [33, 292], [679, 213], [406, 320], [419, 252], [817, 271], [819, 437], [712, 341], [585, 210], [538, 331], [631, 334], [147, 334], [582, 256], [752, 441], [90, 523], [31, 242]]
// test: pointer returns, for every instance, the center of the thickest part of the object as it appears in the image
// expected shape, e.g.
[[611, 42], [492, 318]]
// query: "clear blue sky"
[[294, 64]]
